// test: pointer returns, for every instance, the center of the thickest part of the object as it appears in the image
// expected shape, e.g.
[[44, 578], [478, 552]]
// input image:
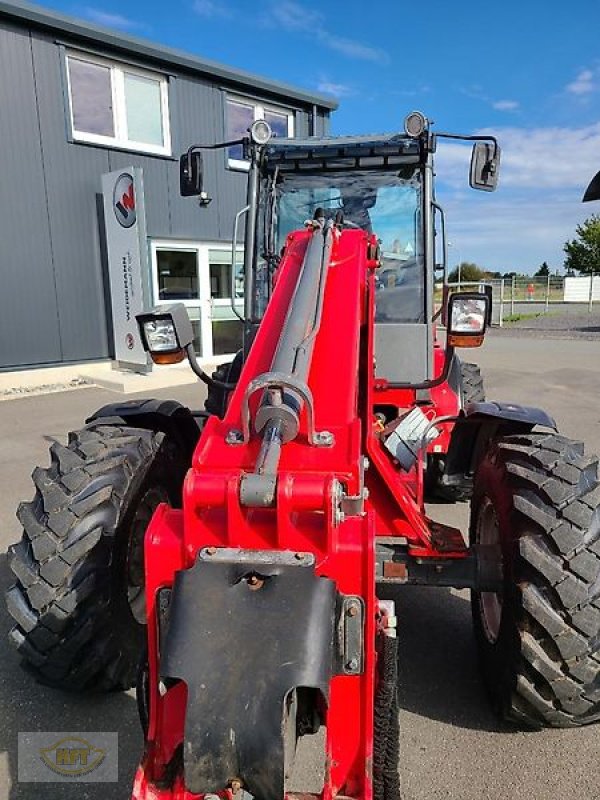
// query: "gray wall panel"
[[29, 331], [51, 269], [73, 178], [302, 126], [232, 182], [193, 123], [322, 124]]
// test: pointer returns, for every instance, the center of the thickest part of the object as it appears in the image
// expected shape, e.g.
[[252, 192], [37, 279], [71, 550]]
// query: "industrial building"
[[79, 102]]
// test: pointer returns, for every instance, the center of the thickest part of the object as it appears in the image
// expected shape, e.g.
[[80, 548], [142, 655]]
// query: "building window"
[[177, 274], [117, 105], [240, 114]]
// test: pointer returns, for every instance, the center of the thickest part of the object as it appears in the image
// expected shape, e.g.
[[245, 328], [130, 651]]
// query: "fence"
[[519, 296]]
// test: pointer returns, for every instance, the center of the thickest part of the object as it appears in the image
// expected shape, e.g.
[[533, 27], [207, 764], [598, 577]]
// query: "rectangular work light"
[[166, 332]]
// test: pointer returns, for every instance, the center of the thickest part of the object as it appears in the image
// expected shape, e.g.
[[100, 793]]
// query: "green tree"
[[583, 252], [469, 272], [542, 271]]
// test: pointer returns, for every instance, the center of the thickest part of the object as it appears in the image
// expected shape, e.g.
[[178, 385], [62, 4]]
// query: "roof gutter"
[[69, 26]]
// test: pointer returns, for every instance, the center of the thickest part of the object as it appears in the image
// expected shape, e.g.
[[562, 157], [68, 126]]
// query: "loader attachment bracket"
[[246, 628]]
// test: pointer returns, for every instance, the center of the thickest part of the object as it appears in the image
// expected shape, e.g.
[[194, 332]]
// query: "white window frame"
[[259, 113], [120, 139], [172, 245]]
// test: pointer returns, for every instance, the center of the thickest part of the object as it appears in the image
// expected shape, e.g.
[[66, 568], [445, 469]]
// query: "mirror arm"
[[218, 146], [471, 139], [433, 382]]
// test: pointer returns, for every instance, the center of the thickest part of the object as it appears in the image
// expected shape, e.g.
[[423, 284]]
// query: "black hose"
[[204, 377]]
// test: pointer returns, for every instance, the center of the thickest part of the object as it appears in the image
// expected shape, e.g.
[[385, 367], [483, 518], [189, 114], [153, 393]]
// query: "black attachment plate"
[[245, 629]]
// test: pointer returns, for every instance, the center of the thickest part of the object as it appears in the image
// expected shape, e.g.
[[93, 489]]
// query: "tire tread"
[[556, 517], [62, 563]]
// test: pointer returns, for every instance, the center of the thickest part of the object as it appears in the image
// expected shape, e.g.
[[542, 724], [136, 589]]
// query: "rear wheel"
[[537, 499], [79, 601], [472, 390]]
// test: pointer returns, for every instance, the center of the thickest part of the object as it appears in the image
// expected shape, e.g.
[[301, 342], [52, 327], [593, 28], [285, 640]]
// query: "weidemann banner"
[[125, 223]]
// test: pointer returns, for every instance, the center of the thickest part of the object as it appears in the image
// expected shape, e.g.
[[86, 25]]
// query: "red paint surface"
[[342, 384]]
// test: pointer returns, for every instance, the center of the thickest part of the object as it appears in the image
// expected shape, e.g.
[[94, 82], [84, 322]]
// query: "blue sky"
[[527, 71]]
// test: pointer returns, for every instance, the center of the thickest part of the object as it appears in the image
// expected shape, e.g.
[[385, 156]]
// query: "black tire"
[[540, 649], [472, 390], [217, 398], [79, 564]]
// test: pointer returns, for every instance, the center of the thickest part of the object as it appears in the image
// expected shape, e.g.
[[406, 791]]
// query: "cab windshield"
[[386, 203]]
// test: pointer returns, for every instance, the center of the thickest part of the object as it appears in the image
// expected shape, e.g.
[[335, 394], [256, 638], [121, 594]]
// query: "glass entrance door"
[[227, 329], [200, 276]]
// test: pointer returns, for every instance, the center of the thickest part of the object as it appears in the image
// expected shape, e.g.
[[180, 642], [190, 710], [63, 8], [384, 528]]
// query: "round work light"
[[260, 132], [414, 124]]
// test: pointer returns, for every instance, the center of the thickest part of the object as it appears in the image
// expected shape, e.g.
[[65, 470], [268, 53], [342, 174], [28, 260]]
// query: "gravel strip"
[[574, 325], [46, 388]]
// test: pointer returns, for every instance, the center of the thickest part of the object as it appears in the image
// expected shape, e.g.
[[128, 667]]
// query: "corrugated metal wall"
[[51, 272], [29, 326], [72, 179]]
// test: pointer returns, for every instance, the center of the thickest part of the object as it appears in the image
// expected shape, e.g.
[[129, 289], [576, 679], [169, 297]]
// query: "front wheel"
[[536, 499], [79, 601]]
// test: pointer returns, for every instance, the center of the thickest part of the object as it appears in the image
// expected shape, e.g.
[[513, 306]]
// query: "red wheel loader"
[[229, 563]]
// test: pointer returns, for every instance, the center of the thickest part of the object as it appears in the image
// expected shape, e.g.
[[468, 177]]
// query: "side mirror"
[[485, 165], [468, 314], [190, 174], [593, 190]]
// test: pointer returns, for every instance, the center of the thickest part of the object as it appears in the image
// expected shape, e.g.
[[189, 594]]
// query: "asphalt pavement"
[[452, 746]]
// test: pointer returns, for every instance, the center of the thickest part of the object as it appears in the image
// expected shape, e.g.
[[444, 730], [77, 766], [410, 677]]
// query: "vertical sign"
[[125, 221]]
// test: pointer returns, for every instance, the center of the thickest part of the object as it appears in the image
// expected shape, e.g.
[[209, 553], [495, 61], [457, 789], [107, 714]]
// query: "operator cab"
[[380, 184], [377, 185]]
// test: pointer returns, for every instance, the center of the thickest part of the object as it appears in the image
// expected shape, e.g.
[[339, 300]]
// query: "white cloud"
[[505, 105], [421, 89], [507, 234], [476, 92], [293, 17], [543, 174], [353, 49], [559, 158], [211, 9], [112, 20], [336, 89], [583, 83]]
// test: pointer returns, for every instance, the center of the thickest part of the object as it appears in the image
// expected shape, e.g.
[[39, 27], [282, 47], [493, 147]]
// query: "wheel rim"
[[490, 603], [136, 584]]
